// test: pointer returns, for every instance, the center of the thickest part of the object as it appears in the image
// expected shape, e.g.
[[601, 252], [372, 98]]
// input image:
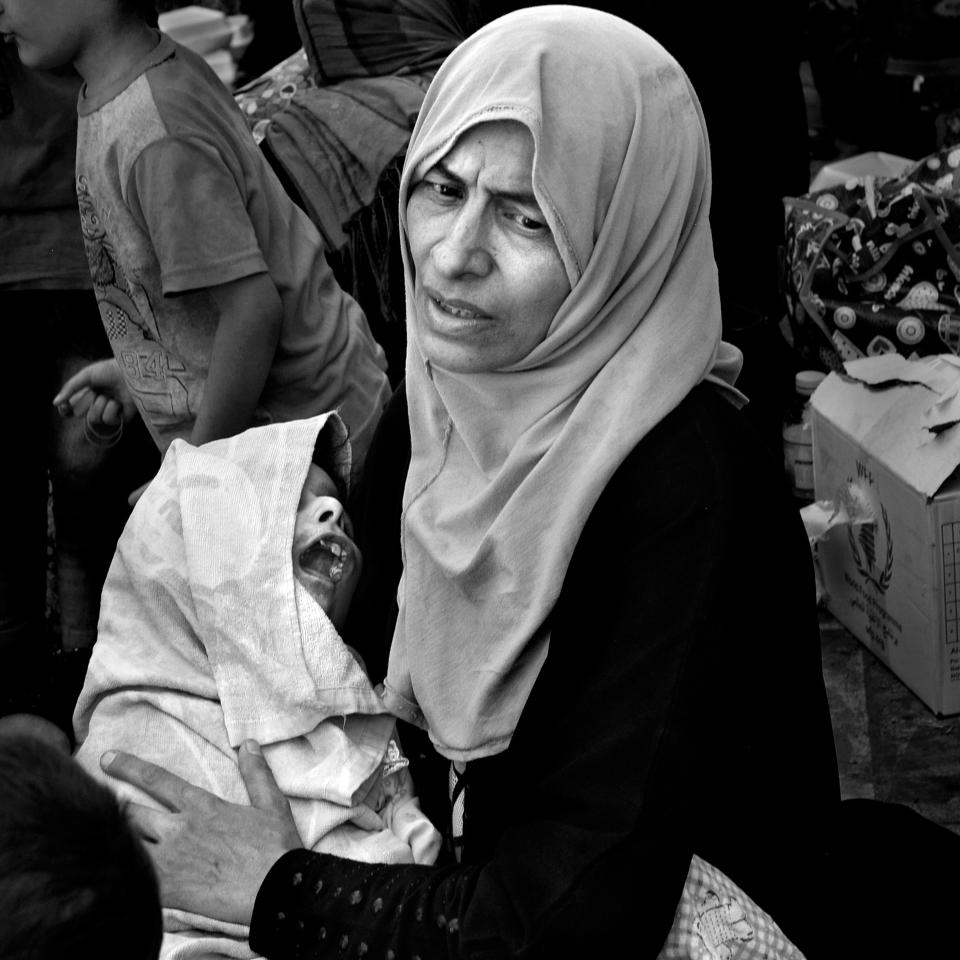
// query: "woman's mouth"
[[324, 558], [458, 308]]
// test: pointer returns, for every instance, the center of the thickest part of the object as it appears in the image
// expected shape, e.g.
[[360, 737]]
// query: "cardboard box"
[[874, 163], [886, 437]]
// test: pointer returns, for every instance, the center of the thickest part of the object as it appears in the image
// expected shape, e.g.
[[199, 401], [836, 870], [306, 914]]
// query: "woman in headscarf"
[[606, 648]]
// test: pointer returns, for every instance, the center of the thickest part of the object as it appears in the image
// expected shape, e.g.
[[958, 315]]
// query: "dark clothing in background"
[[887, 73], [744, 63], [274, 36], [49, 328], [48, 335], [40, 242]]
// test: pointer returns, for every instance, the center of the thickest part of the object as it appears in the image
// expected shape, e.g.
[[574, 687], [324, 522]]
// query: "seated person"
[[245, 644], [211, 636], [74, 877]]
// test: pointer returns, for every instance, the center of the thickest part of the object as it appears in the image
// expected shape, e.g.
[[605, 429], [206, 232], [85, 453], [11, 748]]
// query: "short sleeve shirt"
[[176, 198]]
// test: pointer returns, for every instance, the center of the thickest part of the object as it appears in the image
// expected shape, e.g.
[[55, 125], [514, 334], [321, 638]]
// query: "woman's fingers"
[[262, 786], [210, 855], [149, 823], [167, 788], [258, 777]]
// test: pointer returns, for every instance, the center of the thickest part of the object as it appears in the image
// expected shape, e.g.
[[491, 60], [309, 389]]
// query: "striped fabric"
[[457, 792], [347, 39]]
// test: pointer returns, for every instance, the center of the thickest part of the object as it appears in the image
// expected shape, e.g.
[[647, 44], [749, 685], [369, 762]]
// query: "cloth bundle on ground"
[[206, 639], [716, 920], [872, 265]]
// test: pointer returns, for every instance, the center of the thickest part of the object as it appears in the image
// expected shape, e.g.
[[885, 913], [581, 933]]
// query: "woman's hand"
[[210, 856]]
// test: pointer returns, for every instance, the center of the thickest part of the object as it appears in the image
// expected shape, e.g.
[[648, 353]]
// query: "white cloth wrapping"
[[206, 639]]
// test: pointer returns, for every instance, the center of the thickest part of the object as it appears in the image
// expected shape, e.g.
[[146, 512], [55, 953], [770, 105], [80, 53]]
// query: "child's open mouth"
[[324, 558]]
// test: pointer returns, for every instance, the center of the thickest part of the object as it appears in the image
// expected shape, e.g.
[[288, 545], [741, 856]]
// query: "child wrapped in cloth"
[[219, 623]]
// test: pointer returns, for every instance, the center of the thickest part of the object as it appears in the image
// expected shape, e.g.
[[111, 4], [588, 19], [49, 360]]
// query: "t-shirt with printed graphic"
[[175, 198]]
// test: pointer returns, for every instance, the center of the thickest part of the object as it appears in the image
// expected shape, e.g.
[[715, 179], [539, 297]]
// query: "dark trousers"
[[48, 336]]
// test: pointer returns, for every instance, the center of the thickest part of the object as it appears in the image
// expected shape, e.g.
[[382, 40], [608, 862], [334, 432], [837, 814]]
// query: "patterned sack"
[[716, 920], [872, 266]]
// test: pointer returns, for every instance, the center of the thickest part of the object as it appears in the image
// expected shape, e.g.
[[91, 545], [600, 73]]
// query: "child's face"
[[47, 33], [325, 560]]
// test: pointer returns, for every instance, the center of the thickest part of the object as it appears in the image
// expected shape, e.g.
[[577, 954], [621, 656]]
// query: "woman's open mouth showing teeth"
[[457, 311], [324, 558]]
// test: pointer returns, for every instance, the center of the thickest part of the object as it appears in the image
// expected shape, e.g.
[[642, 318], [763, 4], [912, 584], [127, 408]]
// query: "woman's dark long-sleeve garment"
[[681, 708]]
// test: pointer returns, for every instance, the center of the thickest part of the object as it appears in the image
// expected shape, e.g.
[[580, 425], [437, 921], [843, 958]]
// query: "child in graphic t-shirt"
[[212, 284]]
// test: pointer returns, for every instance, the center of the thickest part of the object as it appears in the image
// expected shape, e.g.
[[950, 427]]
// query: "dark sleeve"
[[681, 707], [670, 716]]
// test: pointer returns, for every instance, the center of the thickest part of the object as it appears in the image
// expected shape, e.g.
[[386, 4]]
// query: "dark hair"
[[332, 453], [144, 8], [75, 880]]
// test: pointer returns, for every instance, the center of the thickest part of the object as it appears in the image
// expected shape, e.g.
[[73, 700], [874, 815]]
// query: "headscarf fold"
[[507, 465]]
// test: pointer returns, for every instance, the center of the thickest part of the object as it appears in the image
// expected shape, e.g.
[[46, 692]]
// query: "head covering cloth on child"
[[507, 465]]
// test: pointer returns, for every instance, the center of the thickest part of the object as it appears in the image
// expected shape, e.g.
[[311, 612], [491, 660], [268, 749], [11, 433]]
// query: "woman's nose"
[[464, 247], [329, 510]]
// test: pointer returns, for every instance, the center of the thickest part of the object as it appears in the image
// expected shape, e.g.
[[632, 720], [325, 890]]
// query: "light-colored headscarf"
[[506, 466]]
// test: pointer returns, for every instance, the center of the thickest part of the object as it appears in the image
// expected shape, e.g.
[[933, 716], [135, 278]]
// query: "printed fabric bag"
[[872, 266]]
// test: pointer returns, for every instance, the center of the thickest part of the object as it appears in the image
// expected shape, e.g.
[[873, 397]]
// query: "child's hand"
[[99, 392]]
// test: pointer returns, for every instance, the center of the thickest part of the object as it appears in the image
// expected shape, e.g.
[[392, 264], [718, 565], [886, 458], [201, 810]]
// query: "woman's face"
[[489, 278]]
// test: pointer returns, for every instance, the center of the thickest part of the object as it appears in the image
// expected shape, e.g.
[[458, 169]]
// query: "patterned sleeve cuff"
[[274, 931], [315, 905]]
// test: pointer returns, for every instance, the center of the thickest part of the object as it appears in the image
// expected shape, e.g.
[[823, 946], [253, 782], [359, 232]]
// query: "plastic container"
[[797, 437]]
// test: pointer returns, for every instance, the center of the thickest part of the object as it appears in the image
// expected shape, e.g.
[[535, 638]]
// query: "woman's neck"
[[113, 50]]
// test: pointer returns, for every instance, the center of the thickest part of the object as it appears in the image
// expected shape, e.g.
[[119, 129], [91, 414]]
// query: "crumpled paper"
[[850, 506]]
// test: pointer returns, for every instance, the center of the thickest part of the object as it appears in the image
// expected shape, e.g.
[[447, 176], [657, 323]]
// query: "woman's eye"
[[528, 224], [441, 190]]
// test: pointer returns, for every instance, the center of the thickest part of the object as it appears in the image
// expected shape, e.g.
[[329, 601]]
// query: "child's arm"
[[250, 315]]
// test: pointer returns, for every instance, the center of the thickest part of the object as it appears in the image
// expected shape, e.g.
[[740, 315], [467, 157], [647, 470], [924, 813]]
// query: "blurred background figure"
[[887, 74], [75, 879], [50, 327]]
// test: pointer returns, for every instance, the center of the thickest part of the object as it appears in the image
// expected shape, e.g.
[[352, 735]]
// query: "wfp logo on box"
[[868, 544]]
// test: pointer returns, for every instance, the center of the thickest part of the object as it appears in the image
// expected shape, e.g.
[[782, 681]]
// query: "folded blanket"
[[206, 639]]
